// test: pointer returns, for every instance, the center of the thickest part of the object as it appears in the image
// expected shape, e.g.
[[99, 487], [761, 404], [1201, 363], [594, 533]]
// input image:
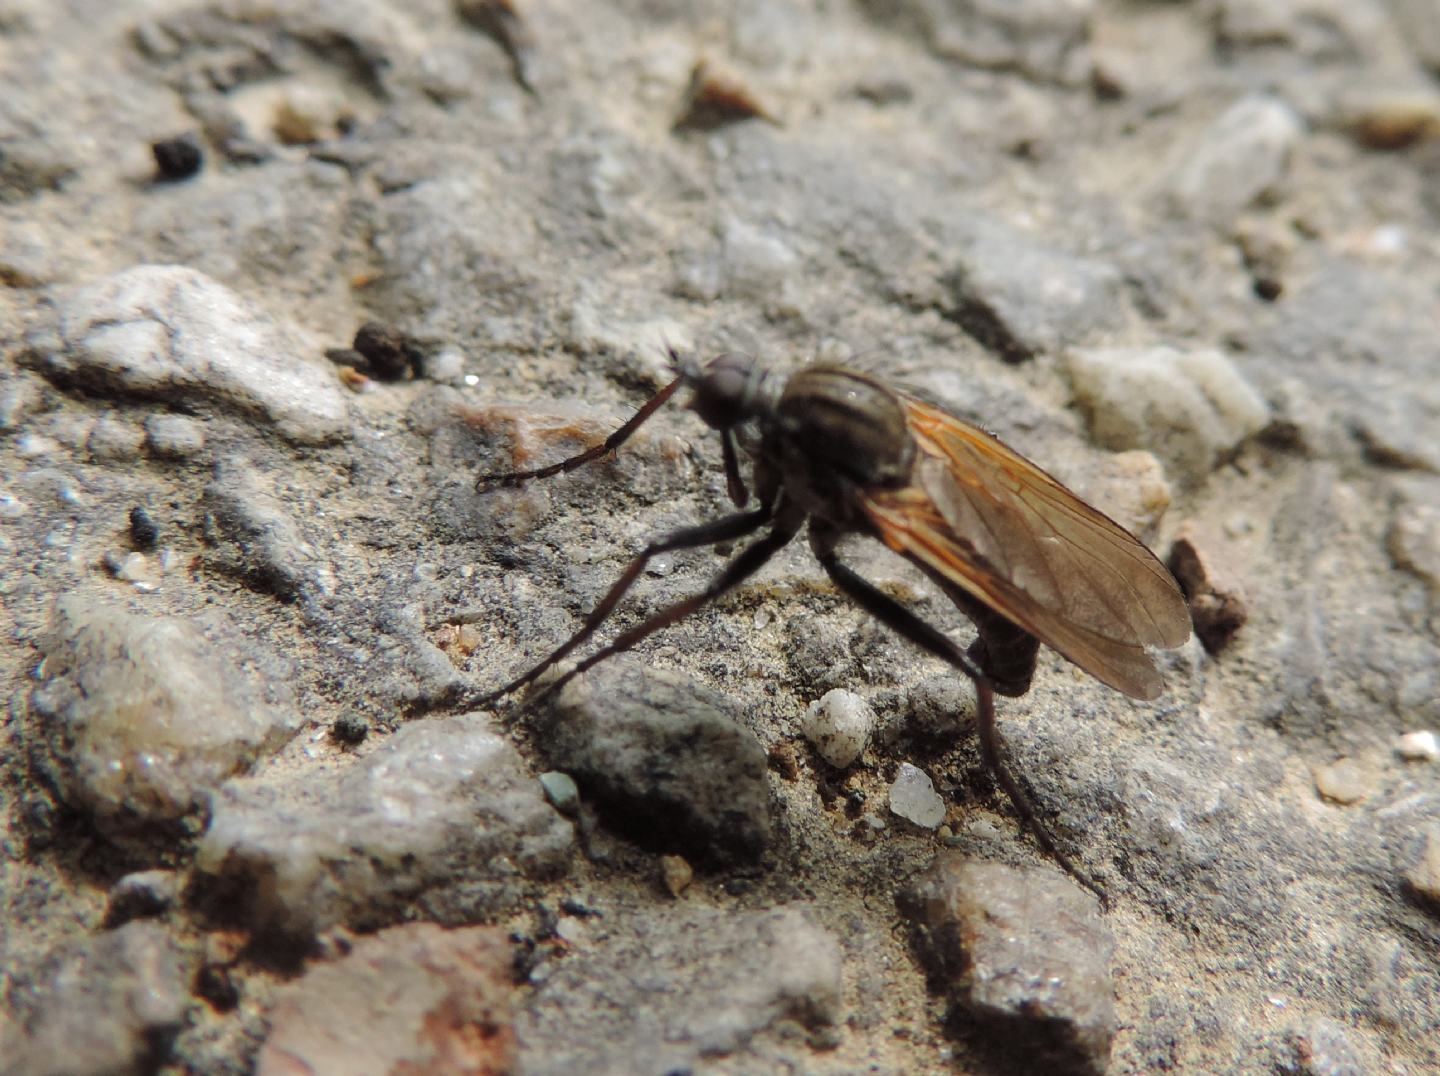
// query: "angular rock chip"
[[1025, 951], [1243, 157], [681, 985], [253, 535], [174, 436], [1020, 299], [169, 332], [1414, 538], [1042, 39], [1188, 407], [138, 718], [1216, 599], [665, 758], [442, 820], [414, 998], [1423, 878], [913, 797], [106, 1005]]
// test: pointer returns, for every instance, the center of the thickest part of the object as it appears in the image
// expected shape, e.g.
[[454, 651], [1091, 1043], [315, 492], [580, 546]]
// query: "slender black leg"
[[611, 443], [750, 560], [720, 530], [734, 484], [899, 619]]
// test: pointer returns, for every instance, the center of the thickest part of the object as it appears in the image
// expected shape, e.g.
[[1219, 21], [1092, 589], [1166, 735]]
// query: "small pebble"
[[177, 158], [715, 98], [33, 446], [1421, 746], [389, 353], [570, 930], [839, 725], [174, 436], [1392, 120], [1343, 781], [458, 641], [144, 531], [677, 874], [1424, 877], [561, 791], [141, 896], [115, 439], [134, 568], [913, 798]]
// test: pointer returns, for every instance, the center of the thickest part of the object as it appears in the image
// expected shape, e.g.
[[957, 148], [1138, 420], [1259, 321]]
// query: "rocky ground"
[[1183, 254]]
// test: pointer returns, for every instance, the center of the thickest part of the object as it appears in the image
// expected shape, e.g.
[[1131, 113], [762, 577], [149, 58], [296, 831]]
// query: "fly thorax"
[[837, 429]]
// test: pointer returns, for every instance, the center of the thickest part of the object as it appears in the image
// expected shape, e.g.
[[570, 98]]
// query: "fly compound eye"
[[725, 391]]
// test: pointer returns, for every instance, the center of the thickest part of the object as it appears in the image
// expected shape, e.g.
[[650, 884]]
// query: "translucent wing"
[[992, 523]]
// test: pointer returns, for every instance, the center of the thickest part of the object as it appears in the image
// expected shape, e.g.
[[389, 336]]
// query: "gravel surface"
[[280, 280]]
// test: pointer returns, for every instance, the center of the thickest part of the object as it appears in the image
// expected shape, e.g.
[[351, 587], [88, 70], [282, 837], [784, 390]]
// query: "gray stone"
[[106, 1004], [1423, 877], [1027, 954], [1020, 298], [1043, 39], [1189, 408], [685, 986], [1320, 31], [1414, 539], [942, 707], [1244, 156], [19, 399], [1176, 813], [115, 439], [169, 332], [562, 792], [254, 536], [441, 821], [253, 228], [748, 263], [137, 718], [1419, 22], [35, 160], [1325, 1048], [175, 436], [665, 757]]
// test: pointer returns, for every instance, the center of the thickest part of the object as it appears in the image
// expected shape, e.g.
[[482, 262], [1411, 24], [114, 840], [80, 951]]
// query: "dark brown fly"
[[1027, 560]]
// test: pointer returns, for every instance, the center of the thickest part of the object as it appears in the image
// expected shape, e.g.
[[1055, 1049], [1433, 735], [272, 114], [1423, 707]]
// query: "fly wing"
[[1000, 528]]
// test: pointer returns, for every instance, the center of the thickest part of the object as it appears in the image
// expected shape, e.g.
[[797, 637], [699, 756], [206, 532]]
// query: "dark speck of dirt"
[[350, 729], [144, 531], [177, 158]]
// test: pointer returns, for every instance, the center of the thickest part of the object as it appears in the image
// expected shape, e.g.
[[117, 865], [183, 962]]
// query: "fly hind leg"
[[931, 639]]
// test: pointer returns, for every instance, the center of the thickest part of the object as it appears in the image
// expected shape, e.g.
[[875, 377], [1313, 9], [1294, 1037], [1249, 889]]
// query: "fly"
[[840, 452]]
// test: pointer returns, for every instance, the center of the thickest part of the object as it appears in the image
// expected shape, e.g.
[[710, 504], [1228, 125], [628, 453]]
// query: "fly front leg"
[[721, 530], [909, 626], [610, 444]]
